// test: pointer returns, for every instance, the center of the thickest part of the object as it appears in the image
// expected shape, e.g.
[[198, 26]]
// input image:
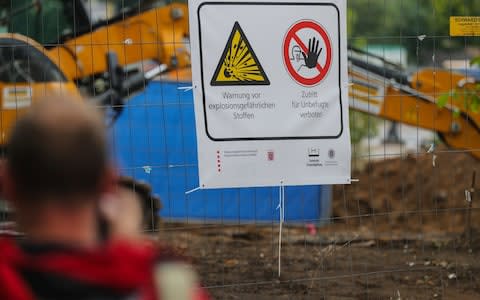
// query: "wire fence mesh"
[[407, 229]]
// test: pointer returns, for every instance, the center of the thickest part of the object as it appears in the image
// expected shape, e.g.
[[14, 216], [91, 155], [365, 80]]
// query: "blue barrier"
[[154, 141]]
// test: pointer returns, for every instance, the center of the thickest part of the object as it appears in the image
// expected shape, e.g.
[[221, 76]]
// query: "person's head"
[[57, 155]]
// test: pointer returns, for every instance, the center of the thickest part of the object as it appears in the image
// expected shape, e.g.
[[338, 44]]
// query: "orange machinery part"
[[157, 33]]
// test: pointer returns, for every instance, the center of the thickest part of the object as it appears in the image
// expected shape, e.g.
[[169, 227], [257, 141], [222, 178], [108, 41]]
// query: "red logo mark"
[[270, 155]]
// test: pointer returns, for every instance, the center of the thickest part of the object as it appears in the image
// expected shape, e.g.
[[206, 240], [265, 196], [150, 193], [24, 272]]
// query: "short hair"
[[57, 149]]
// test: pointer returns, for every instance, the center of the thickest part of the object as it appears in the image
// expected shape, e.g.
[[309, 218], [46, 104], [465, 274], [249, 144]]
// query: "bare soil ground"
[[420, 193], [399, 233], [241, 262]]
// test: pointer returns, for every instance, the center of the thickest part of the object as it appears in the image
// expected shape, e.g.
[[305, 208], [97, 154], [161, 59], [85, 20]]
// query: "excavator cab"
[[21, 62], [26, 72], [142, 34]]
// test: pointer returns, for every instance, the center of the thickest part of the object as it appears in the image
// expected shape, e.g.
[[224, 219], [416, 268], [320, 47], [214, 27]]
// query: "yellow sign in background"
[[465, 26]]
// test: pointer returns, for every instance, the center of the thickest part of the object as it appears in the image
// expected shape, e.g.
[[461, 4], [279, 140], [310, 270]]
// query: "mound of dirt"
[[412, 192]]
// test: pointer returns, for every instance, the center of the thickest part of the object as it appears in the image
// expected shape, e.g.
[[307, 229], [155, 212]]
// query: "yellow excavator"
[[381, 88], [109, 49], [104, 50]]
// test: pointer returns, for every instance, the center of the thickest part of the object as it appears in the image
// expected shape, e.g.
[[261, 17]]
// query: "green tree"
[[362, 126], [401, 22], [469, 95]]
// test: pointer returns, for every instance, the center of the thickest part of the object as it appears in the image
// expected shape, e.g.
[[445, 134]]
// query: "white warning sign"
[[270, 92]]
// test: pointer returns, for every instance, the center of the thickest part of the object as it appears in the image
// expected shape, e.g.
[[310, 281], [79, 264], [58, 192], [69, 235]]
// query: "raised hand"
[[311, 58]]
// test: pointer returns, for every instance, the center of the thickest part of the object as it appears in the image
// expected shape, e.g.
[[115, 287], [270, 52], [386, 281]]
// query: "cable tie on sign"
[[468, 196], [431, 148], [354, 180], [192, 190], [185, 88], [421, 37], [147, 169]]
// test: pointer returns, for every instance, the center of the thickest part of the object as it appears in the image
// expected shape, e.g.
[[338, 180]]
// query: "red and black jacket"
[[50, 272]]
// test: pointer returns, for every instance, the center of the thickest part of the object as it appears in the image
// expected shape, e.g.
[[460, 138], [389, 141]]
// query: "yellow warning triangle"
[[239, 65]]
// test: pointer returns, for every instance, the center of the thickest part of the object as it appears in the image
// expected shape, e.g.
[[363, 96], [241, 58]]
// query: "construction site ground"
[[398, 233]]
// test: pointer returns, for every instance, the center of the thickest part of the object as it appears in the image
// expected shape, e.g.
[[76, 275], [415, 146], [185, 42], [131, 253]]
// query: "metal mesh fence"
[[407, 228]]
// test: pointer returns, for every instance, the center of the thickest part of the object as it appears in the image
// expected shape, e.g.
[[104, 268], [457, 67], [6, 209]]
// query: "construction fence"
[[406, 228]]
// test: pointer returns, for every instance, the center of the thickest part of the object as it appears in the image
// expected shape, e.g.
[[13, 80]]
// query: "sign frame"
[[288, 133], [202, 75]]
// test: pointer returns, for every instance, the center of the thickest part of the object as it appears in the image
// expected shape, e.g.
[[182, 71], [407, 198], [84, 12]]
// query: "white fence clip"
[[468, 196]]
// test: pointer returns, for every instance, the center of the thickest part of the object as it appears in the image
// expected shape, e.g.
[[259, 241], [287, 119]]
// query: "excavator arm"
[[158, 34], [388, 93]]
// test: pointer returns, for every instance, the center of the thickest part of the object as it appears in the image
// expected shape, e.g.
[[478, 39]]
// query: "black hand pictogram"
[[311, 58]]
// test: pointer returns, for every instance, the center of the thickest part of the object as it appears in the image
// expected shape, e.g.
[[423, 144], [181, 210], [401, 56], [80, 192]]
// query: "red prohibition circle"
[[292, 35]]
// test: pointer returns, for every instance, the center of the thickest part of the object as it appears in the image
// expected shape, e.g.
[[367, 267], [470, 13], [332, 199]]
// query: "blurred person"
[[131, 213], [56, 168], [56, 173]]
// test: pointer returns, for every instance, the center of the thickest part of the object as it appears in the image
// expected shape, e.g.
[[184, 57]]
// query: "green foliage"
[[470, 97], [475, 62], [44, 25], [469, 94], [393, 22], [400, 22], [443, 100], [362, 126]]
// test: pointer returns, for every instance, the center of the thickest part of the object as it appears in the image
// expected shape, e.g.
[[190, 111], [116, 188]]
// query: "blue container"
[[154, 141]]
